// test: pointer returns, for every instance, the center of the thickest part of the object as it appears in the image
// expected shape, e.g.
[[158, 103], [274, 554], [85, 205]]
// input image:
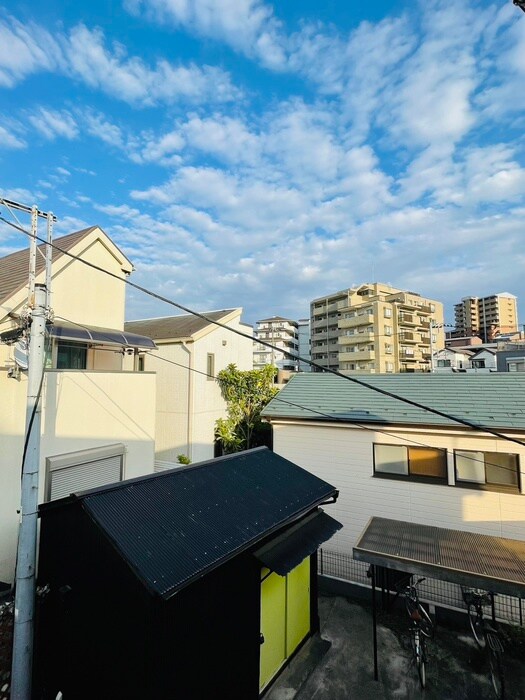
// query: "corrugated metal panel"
[[173, 526], [496, 400], [287, 551], [81, 477], [483, 561]]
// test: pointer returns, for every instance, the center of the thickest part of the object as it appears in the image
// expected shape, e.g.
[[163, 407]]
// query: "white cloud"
[[25, 49], [82, 54], [98, 126], [248, 26], [54, 123], [9, 140]]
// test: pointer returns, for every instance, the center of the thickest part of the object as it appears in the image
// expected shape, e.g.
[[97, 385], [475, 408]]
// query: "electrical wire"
[[355, 380], [305, 408], [335, 419]]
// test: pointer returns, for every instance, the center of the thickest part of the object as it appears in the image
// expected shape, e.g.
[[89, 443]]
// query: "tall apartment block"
[[280, 332], [487, 317], [375, 328]]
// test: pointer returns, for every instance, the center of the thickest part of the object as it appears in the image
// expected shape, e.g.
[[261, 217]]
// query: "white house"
[[191, 351], [98, 414], [484, 360], [397, 461], [451, 360]]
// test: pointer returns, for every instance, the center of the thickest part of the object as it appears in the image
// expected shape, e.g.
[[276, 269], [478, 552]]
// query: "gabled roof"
[[491, 351], [174, 526], [176, 328], [14, 267], [495, 400]]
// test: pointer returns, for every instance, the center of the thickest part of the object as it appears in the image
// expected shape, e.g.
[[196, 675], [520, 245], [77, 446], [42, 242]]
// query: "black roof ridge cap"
[[157, 475]]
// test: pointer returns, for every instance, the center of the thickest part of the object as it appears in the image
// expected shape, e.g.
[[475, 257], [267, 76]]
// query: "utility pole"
[[36, 314], [22, 665]]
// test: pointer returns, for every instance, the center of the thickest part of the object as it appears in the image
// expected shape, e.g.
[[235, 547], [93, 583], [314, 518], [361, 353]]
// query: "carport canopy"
[[496, 564], [471, 559]]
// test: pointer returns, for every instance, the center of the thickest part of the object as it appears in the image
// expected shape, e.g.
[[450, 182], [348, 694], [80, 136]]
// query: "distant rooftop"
[[495, 400], [176, 327], [14, 268]]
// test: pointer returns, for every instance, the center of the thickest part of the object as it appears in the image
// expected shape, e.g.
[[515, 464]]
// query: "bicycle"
[[421, 627], [485, 635]]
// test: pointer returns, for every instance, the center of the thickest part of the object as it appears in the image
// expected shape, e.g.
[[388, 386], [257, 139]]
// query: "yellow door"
[[297, 605], [285, 617], [273, 626]]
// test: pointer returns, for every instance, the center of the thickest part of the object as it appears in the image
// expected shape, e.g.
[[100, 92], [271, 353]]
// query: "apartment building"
[[376, 328], [283, 334], [305, 342], [487, 317]]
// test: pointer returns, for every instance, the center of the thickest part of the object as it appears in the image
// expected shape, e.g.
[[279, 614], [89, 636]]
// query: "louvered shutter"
[[87, 469]]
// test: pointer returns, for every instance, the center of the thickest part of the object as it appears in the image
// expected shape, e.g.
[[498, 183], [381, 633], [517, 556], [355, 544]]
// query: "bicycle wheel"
[[475, 618], [420, 662], [496, 674]]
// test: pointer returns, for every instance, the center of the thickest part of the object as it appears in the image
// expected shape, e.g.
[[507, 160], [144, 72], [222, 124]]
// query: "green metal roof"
[[495, 400]]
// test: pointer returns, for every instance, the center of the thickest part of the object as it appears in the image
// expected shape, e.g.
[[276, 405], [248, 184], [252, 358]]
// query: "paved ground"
[[341, 667]]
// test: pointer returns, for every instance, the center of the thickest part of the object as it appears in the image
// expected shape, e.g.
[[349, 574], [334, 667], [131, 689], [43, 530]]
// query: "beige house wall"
[[80, 410], [343, 456]]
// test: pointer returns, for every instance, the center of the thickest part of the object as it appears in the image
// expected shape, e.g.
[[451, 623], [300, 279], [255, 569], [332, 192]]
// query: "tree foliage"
[[246, 393]]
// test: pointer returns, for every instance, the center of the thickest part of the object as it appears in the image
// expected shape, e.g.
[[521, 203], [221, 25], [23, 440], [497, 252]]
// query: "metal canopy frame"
[[492, 563]]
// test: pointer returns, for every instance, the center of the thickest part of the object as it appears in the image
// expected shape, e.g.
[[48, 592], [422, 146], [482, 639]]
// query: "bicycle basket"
[[472, 596]]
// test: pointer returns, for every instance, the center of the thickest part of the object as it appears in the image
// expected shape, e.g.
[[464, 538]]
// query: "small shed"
[[195, 583]]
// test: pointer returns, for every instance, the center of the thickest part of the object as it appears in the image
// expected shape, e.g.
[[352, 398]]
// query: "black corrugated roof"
[[174, 526]]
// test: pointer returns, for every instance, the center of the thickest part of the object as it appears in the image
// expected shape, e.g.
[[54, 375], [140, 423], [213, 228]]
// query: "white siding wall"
[[344, 457], [188, 403]]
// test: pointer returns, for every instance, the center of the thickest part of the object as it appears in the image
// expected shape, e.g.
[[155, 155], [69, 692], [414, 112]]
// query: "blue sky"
[[257, 155]]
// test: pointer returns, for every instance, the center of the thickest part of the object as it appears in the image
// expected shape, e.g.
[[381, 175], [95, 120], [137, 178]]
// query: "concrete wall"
[[344, 457], [81, 410]]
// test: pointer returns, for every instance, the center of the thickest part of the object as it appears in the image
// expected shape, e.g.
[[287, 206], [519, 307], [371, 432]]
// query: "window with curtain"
[[401, 461]]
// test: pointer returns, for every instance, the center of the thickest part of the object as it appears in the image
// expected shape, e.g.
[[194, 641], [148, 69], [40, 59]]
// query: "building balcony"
[[360, 320], [409, 337], [358, 337], [408, 320], [358, 356]]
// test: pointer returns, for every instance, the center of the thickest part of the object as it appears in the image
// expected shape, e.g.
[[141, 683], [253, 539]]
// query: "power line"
[[355, 380], [305, 408]]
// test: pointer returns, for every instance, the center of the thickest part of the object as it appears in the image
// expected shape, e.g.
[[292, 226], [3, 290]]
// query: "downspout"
[[189, 422]]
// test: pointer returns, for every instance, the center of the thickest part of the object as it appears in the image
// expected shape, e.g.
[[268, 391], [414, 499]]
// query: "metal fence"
[[342, 566]]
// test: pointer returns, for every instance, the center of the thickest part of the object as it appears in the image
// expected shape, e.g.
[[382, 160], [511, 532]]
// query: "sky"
[[243, 153]]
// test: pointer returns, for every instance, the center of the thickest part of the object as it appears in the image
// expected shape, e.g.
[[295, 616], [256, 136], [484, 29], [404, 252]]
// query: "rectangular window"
[[387, 313], [388, 330], [498, 470], [210, 366], [400, 461], [443, 363], [71, 355]]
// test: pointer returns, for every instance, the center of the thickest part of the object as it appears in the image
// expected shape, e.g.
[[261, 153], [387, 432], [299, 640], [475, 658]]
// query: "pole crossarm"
[[23, 207]]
